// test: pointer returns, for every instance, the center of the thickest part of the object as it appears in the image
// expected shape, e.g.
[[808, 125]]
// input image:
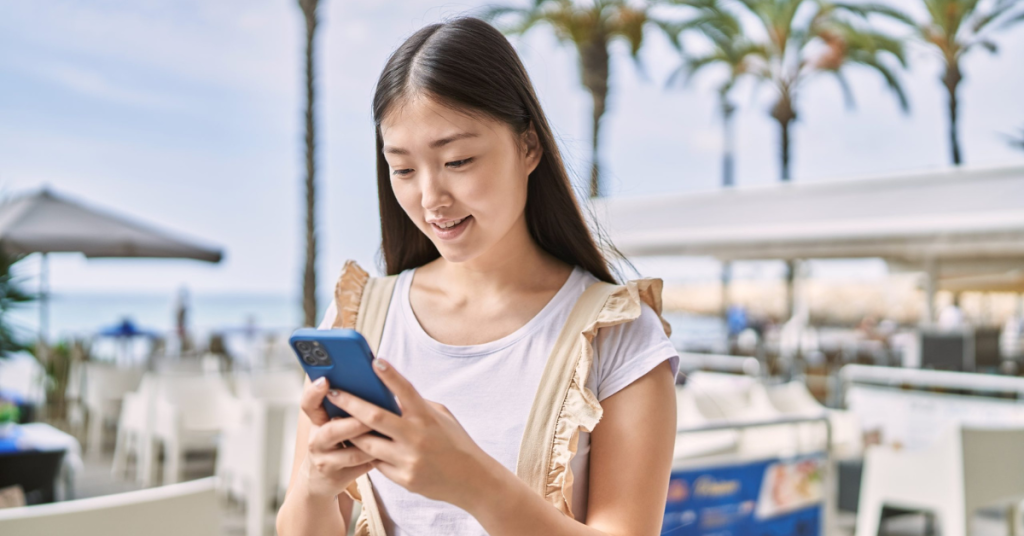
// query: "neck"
[[514, 262]]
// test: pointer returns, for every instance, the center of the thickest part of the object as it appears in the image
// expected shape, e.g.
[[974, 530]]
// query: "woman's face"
[[460, 178]]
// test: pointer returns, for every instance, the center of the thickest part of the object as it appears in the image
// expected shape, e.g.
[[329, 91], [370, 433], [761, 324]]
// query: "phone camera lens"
[[303, 346], [319, 353], [310, 360]]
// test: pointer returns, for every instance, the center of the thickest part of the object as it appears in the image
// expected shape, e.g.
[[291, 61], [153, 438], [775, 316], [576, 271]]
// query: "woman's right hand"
[[329, 466]]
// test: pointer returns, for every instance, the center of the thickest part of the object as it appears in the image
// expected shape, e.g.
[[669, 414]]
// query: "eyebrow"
[[434, 144]]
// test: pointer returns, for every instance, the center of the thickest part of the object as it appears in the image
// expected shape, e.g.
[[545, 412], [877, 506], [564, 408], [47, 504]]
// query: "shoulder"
[[627, 351]]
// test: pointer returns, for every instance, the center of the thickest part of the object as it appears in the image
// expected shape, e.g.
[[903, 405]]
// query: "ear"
[[533, 150]]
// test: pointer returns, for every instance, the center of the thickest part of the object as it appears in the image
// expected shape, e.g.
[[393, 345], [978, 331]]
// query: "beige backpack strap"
[[362, 303], [563, 405]]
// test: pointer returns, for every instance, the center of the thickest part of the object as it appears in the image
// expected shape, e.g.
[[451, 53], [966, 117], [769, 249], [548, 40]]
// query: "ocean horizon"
[[82, 314]]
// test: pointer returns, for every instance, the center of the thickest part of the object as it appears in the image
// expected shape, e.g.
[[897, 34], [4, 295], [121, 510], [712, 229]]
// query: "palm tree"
[[309, 274], [954, 28], [12, 295], [1018, 142], [730, 48], [830, 38], [590, 27]]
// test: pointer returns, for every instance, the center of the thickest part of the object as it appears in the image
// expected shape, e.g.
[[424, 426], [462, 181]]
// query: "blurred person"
[[1011, 338], [491, 250], [181, 321], [951, 316]]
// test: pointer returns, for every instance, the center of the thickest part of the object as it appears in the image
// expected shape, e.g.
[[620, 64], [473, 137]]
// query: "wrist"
[[310, 492], [491, 488]]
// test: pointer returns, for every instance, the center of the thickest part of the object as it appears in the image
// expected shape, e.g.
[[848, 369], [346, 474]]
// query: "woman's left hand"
[[428, 452]]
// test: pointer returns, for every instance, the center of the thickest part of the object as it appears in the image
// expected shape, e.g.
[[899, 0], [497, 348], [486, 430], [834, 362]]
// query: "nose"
[[434, 194]]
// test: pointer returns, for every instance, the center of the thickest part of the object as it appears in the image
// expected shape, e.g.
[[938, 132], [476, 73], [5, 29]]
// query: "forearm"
[[510, 508], [306, 514]]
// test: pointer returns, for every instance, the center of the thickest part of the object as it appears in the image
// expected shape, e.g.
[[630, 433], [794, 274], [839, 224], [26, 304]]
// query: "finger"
[[336, 431], [392, 472], [353, 473], [342, 459], [312, 401], [377, 447], [368, 413], [407, 395]]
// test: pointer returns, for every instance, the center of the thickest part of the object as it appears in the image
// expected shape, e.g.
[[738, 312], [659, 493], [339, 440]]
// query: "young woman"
[[491, 250]]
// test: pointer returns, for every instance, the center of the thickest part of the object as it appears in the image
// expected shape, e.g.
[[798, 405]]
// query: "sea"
[[83, 315]]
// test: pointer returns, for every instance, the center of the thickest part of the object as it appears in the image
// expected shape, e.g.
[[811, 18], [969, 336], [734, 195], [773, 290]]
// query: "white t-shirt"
[[490, 388]]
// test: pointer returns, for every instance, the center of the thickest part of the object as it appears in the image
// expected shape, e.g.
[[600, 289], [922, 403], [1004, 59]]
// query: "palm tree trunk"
[[595, 174], [784, 113], [309, 273], [594, 74], [727, 142], [952, 80], [790, 279]]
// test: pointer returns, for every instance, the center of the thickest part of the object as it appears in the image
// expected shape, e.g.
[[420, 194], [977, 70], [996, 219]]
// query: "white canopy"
[[47, 223], [966, 217]]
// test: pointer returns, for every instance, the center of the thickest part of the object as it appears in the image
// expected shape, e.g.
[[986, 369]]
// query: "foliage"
[[730, 48], [808, 38], [952, 29], [1017, 142], [591, 27], [12, 295], [8, 412]]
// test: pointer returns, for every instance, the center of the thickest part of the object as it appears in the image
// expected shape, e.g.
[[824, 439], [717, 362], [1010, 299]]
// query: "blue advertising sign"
[[774, 497]]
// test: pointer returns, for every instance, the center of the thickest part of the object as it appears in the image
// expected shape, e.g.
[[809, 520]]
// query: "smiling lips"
[[449, 229]]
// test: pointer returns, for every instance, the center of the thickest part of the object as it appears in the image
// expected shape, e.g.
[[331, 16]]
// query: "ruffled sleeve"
[[581, 411], [348, 292]]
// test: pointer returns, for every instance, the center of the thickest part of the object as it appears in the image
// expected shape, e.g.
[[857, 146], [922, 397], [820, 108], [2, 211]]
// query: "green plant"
[[12, 295], [807, 38], [954, 28], [9, 413], [730, 48], [590, 27]]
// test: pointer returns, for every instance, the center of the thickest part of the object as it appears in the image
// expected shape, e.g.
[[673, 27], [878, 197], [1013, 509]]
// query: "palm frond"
[[1011, 21], [844, 85], [891, 80]]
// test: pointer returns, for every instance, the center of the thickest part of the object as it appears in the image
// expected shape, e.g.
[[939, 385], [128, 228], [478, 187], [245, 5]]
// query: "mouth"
[[451, 228]]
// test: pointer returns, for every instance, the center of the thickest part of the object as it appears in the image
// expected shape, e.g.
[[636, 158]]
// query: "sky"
[[187, 114]]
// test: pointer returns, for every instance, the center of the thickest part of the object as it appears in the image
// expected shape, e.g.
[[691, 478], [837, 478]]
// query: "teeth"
[[450, 224]]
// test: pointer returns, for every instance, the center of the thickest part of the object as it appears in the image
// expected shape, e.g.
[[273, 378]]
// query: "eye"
[[401, 172], [459, 163]]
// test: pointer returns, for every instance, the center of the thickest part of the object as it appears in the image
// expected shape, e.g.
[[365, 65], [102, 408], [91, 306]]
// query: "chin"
[[457, 255]]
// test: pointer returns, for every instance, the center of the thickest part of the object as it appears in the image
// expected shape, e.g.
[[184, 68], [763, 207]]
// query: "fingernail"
[[334, 392], [380, 364], [320, 381]]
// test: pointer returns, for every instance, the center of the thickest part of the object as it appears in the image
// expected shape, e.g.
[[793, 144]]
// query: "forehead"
[[416, 122]]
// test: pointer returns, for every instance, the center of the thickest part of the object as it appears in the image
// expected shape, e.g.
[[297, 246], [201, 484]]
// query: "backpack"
[[563, 405]]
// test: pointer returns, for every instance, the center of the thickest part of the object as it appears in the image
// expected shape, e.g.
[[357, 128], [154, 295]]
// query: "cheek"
[[497, 200], [408, 197]]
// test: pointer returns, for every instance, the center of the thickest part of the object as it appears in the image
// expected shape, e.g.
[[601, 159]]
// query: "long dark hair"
[[467, 64]]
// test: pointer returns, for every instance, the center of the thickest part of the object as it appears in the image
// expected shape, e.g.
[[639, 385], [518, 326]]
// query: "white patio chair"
[[250, 457], [793, 399], [278, 386], [189, 508], [189, 413], [690, 445], [133, 429], [965, 469], [291, 424], [105, 387]]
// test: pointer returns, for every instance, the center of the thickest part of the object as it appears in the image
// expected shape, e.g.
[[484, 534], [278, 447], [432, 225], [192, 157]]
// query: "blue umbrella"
[[127, 329]]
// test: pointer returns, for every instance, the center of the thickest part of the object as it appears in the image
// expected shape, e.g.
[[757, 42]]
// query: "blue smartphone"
[[343, 357]]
